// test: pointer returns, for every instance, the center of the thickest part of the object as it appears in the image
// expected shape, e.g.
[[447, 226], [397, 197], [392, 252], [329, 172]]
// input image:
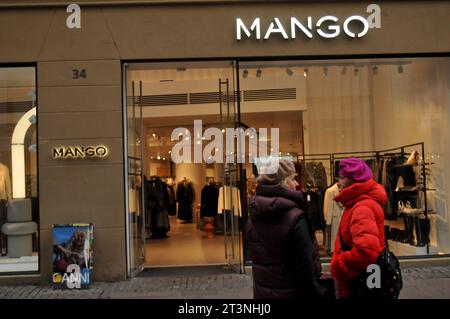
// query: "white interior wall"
[[339, 108], [412, 107]]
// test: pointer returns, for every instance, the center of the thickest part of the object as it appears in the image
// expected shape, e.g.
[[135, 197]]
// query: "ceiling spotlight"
[[375, 70], [325, 71], [154, 135], [245, 73], [169, 152], [289, 71], [305, 72], [344, 70], [400, 69], [356, 71], [258, 73], [164, 158]]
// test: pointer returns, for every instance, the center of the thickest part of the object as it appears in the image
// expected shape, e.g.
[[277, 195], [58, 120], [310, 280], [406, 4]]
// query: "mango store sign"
[[328, 27], [80, 152]]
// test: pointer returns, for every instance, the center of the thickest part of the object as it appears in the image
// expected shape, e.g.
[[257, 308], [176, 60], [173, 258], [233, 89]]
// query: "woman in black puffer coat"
[[282, 243]]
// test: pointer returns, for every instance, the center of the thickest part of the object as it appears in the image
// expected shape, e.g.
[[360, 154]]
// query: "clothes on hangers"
[[314, 190], [316, 174], [229, 199], [5, 183], [172, 203], [185, 198], [314, 207], [157, 201], [5, 195], [332, 211], [209, 200]]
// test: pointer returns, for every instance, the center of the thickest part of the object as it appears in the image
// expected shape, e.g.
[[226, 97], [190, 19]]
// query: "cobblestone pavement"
[[430, 282]]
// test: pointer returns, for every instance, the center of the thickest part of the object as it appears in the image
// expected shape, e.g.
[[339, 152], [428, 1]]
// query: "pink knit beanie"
[[355, 169]]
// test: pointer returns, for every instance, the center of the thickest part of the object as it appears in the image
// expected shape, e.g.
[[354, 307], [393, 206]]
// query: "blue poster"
[[72, 255]]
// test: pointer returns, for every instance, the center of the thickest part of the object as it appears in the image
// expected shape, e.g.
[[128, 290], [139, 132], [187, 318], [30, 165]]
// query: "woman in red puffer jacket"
[[362, 223]]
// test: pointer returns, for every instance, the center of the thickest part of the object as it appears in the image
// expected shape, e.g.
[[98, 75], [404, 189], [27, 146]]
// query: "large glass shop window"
[[393, 113], [19, 215]]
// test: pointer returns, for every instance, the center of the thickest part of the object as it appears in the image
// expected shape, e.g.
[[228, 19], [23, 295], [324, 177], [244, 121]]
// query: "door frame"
[[124, 64]]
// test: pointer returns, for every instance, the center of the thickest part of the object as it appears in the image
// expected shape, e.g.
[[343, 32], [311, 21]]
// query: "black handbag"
[[391, 276]]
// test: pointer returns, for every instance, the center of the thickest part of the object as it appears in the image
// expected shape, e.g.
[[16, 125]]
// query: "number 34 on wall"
[[79, 73]]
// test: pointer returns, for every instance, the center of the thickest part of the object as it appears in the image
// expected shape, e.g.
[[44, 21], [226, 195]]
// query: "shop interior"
[[325, 111]]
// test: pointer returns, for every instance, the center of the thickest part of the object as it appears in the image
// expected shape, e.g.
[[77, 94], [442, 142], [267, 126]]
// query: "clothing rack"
[[391, 152], [314, 158]]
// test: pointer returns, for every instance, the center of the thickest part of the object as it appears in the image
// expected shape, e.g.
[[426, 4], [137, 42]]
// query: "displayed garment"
[[315, 183], [314, 207], [373, 164], [5, 195], [172, 203], [209, 200], [229, 199], [185, 198], [316, 175], [157, 201], [332, 211], [5, 183]]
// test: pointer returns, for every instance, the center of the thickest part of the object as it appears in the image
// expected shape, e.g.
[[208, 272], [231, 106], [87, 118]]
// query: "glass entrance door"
[[192, 204], [134, 178], [231, 193]]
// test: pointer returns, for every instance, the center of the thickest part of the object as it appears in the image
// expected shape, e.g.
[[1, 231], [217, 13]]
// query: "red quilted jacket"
[[362, 228]]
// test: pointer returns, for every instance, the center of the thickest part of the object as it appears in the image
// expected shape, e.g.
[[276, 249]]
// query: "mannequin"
[[5, 195], [5, 182]]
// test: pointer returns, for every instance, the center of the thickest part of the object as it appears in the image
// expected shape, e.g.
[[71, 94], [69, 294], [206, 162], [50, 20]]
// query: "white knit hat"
[[285, 169]]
